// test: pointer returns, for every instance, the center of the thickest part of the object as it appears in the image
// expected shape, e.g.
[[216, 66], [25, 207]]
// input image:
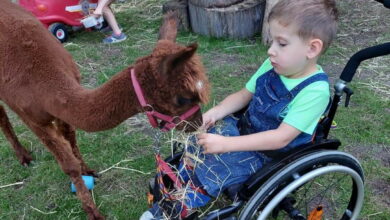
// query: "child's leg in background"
[[101, 4], [110, 17]]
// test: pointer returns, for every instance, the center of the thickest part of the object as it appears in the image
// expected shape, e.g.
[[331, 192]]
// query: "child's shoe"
[[108, 29], [115, 38]]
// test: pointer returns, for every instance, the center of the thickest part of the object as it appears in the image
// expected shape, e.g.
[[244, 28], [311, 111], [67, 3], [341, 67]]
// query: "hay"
[[193, 159]]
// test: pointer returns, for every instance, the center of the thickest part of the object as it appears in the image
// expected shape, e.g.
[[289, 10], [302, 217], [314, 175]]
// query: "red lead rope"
[[164, 168]]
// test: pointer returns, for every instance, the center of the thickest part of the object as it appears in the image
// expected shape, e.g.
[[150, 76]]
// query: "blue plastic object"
[[89, 182]]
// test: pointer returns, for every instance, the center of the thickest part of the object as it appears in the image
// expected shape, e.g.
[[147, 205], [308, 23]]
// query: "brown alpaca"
[[40, 82]]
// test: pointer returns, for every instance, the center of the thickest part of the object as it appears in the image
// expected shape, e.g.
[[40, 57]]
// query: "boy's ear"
[[315, 48]]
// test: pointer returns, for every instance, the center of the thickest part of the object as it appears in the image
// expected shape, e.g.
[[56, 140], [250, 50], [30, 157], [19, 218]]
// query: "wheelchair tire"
[[286, 186]]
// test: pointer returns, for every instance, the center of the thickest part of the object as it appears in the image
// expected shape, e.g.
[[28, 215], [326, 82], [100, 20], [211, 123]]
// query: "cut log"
[[266, 38], [217, 3], [236, 19], [181, 8]]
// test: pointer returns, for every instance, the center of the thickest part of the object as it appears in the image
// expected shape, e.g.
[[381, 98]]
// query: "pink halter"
[[171, 122]]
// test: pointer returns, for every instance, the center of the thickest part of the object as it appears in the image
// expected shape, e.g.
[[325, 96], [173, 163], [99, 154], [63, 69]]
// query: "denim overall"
[[265, 112]]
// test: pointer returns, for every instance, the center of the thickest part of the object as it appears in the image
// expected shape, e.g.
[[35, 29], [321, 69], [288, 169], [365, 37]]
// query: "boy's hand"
[[211, 143], [209, 118]]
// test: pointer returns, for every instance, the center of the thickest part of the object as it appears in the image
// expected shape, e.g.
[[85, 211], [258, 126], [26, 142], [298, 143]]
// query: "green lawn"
[[363, 128]]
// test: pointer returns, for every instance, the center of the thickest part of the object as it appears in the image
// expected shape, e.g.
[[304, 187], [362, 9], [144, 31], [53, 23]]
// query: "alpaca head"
[[177, 81]]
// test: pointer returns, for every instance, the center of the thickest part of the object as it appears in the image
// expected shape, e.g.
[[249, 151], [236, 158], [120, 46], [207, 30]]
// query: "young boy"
[[104, 9], [285, 97]]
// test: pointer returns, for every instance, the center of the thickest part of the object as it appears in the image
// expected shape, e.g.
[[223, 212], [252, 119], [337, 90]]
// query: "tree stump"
[[181, 8], [236, 19], [266, 38]]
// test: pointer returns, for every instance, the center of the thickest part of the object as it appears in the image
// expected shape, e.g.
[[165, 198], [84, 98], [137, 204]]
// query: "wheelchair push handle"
[[357, 58], [386, 3]]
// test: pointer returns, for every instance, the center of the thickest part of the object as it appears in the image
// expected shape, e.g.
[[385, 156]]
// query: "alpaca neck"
[[101, 108]]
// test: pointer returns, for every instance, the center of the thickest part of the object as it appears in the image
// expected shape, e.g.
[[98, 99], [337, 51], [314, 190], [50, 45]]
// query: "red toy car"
[[59, 15]]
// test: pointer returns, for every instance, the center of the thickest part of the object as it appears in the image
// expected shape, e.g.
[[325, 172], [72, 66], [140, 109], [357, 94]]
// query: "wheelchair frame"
[[267, 189]]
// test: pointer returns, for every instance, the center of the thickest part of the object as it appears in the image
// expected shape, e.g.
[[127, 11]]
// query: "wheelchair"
[[311, 182]]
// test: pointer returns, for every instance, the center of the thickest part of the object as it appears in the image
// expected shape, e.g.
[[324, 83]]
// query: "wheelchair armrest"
[[259, 178]]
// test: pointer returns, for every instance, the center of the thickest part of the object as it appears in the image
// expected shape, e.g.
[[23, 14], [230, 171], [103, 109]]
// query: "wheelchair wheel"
[[328, 184]]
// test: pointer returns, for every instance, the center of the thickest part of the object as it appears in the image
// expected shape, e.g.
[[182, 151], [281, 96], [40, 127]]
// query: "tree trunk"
[[265, 32], [181, 8], [236, 19]]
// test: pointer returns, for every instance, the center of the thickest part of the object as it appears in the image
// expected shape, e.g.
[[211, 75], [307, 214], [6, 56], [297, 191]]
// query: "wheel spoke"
[[326, 181]]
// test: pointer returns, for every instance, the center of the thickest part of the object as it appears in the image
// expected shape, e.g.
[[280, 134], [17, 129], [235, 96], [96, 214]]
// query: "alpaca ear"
[[173, 61]]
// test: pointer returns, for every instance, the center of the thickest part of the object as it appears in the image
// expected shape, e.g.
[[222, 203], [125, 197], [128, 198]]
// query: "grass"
[[363, 128]]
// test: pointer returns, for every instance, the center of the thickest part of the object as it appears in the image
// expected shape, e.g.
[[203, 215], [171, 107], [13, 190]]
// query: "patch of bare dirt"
[[139, 123], [221, 59], [367, 153], [363, 24], [333, 70], [380, 188], [242, 69], [214, 59]]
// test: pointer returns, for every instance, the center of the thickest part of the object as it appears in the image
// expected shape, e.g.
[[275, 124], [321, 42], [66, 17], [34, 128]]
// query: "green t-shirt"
[[305, 110]]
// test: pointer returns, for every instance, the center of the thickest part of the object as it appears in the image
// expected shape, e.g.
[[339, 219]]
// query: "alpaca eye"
[[184, 101]]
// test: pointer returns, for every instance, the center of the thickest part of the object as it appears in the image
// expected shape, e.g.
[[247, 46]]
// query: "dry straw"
[[193, 158]]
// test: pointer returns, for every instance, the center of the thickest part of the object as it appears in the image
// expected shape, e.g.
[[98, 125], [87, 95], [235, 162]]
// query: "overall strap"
[[308, 81], [275, 83]]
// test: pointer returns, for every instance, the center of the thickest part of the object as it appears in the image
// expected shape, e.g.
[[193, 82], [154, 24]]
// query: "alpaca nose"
[[192, 123], [196, 123]]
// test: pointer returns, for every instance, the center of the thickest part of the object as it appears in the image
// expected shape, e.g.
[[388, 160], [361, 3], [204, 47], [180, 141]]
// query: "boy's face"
[[288, 52]]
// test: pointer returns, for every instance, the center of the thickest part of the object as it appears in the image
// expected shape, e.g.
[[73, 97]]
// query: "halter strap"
[[153, 115]]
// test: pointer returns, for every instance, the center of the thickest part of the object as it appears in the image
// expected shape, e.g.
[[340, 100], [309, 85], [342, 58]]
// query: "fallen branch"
[[115, 166], [13, 184], [125, 168], [377, 213], [45, 213]]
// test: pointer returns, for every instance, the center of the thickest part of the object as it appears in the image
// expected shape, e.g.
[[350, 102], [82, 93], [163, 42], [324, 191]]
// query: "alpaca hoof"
[[96, 216], [89, 172], [25, 160]]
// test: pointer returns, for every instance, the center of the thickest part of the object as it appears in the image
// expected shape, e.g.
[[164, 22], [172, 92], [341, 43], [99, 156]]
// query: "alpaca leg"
[[69, 132], [63, 153], [21, 153]]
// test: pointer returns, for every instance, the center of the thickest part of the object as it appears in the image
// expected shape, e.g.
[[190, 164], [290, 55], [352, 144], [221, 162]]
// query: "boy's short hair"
[[314, 18]]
